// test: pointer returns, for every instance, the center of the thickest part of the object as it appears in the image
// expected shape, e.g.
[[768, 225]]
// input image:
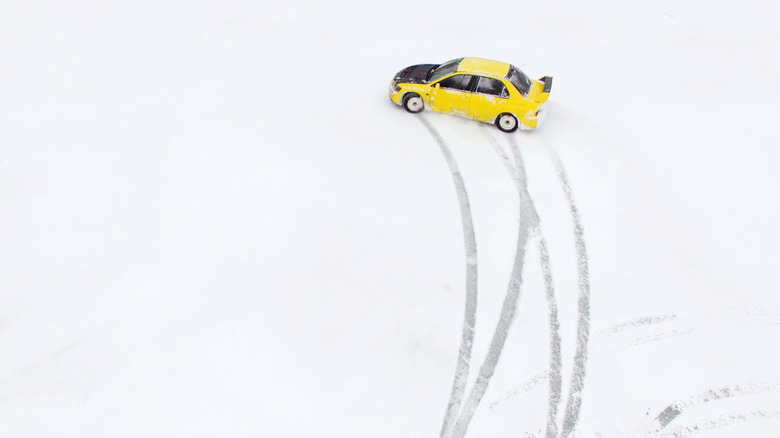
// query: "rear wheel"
[[414, 103], [506, 122]]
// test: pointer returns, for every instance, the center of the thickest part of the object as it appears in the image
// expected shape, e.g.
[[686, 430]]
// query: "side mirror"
[[436, 85]]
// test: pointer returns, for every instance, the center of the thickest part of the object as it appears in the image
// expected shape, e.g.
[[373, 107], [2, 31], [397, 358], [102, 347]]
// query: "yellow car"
[[488, 91]]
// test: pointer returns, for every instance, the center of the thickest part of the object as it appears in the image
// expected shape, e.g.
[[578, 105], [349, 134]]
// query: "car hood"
[[415, 74]]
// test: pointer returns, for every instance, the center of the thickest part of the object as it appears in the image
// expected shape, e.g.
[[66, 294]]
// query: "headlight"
[[394, 86]]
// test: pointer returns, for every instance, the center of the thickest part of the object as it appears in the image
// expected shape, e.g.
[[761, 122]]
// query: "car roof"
[[484, 67]]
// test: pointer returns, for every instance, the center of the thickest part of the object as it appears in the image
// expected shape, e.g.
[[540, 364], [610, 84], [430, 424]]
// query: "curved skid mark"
[[508, 311], [532, 382], [678, 407], [524, 387], [516, 171], [639, 322], [763, 320], [528, 212], [583, 305], [528, 222], [693, 323], [706, 323], [469, 319], [651, 338], [721, 422], [511, 166], [743, 320], [556, 365]]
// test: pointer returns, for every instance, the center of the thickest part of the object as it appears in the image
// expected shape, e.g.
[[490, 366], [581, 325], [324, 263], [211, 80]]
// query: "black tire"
[[413, 103], [507, 122]]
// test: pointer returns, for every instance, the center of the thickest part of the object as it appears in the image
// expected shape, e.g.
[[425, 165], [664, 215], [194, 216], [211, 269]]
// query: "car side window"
[[492, 87], [457, 82]]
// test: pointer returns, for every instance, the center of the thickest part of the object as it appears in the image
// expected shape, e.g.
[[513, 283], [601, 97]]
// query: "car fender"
[[422, 89]]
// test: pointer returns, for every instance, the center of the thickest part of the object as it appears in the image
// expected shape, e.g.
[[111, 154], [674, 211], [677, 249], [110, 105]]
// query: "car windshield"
[[519, 80], [443, 70]]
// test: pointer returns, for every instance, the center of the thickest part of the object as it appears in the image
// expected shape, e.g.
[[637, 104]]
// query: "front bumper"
[[395, 93]]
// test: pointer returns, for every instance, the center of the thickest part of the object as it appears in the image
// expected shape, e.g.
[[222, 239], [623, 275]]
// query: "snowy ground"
[[213, 221]]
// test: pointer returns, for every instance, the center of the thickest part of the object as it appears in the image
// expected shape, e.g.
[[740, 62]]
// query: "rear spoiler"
[[547, 83]]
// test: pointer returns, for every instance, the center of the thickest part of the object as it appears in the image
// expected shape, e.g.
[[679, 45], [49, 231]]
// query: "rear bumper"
[[534, 119], [541, 115]]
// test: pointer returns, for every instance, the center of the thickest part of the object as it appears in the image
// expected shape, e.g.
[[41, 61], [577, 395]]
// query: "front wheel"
[[414, 103], [506, 122]]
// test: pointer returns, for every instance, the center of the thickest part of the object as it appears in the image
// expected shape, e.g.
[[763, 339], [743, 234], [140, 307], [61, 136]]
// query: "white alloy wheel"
[[414, 103], [507, 122]]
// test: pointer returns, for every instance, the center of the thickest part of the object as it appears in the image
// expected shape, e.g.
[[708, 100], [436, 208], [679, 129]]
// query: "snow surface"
[[213, 221]]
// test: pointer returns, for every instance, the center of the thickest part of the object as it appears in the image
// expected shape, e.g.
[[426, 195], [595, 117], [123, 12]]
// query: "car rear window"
[[519, 80]]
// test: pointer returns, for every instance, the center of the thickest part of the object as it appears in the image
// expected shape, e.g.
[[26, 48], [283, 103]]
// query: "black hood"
[[415, 74]]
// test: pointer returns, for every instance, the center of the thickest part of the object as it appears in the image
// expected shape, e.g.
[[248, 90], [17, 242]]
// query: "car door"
[[490, 98], [452, 94]]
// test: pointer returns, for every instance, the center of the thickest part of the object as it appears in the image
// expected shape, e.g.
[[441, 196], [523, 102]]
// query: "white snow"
[[213, 221]]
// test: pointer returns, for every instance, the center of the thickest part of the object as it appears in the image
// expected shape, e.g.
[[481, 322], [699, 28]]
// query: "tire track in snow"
[[576, 385], [470, 313], [527, 222], [637, 341], [510, 165], [721, 422], [757, 319], [693, 323], [556, 366], [527, 385], [537, 378], [735, 320], [643, 321], [675, 409]]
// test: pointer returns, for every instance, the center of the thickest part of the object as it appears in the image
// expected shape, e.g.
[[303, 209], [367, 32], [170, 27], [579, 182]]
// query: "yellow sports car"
[[488, 91]]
